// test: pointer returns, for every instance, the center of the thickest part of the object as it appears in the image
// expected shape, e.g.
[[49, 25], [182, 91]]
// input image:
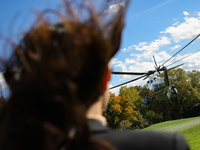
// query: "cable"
[[181, 49]]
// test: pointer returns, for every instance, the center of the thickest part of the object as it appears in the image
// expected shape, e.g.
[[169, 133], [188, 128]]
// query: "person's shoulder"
[[139, 139], [143, 140]]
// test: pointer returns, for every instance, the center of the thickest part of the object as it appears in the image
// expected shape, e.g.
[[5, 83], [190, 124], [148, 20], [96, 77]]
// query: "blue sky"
[[158, 27]]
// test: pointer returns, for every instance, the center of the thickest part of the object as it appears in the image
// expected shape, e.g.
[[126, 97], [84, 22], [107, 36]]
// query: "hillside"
[[189, 128]]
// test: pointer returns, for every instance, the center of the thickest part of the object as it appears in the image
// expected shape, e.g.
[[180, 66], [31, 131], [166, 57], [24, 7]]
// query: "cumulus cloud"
[[124, 50], [116, 63], [154, 45], [185, 30], [114, 8], [176, 23], [191, 63], [137, 57], [129, 61], [175, 47], [185, 13], [141, 67], [128, 49], [161, 56]]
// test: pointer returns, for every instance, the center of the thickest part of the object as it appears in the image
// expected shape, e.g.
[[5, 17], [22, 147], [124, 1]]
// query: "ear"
[[106, 79]]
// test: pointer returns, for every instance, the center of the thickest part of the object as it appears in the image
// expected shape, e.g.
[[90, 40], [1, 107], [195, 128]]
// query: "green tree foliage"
[[194, 77], [187, 95], [128, 110]]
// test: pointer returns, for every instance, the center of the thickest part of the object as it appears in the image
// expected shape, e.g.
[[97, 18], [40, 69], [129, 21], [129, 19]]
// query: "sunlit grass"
[[189, 128]]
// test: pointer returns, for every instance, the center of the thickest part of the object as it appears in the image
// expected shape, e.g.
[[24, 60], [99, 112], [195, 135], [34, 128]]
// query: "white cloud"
[[129, 61], [185, 30], [154, 45], [124, 50], [116, 63], [176, 23], [137, 57], [113, 61], [127, 49], [141, 67], [185, 13], [3, 83], [137, 67], [161, 56], [114, 8], [192, 62], [115, 91], [175, 47]]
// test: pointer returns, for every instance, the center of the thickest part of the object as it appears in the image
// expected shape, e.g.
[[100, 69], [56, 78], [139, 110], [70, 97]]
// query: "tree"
[[113, 111], [120, 110], [136, 95], [187, 95], [194, 77]]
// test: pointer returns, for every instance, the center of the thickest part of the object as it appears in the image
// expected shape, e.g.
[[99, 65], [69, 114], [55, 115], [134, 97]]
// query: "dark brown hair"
[[55, 74]]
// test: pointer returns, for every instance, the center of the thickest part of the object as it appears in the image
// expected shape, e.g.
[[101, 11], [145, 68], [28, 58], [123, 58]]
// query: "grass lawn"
[[189, 128]]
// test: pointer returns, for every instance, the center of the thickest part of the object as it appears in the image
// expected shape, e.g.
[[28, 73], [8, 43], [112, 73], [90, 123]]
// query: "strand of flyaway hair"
[[182, 58], [181, 49]]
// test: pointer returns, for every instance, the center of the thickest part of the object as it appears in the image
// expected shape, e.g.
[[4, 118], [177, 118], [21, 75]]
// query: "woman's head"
[[57, 70], [72, 53]]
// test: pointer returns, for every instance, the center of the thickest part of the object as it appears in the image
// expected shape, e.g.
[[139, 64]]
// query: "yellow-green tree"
[[120, 110], [136, 95]]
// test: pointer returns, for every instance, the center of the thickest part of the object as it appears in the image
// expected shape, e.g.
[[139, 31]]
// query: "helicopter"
[[160, 86]]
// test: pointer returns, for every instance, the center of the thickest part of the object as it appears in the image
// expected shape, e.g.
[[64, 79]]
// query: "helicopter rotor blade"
[[130, 73], [155, 61], [146, 77], [149, 73], [127, 82], [175, 67], [157, 67]]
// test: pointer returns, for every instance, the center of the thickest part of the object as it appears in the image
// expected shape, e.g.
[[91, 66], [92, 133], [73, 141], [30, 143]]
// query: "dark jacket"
[[137, 140]]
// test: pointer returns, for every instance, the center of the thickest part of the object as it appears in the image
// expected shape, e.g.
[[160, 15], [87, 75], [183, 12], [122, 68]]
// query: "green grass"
[[189, 128]]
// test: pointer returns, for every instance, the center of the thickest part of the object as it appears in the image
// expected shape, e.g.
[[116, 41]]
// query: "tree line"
[[127, 110]]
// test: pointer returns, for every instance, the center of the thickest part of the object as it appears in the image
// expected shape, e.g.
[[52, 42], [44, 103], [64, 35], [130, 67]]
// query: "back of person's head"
[[55, 74]]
